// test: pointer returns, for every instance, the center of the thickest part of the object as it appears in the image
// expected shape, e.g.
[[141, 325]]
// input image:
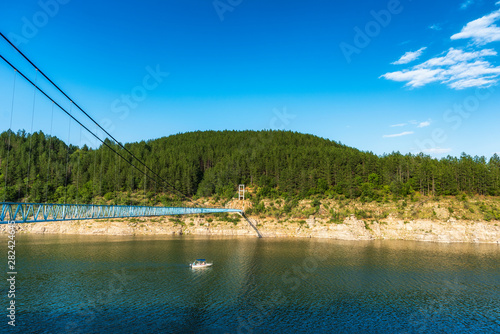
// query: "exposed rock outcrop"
[[350, 229]]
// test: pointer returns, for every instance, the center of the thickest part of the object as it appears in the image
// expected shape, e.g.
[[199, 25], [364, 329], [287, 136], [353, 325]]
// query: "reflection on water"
[[95, 284]]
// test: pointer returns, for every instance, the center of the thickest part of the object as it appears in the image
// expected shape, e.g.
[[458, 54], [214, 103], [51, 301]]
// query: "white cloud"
[[399, 134], [437, 150], [457, 68], [415, 77], [435, 26], [396, 125], [481, 31], [409, 56], [423, 124], [466, 4]]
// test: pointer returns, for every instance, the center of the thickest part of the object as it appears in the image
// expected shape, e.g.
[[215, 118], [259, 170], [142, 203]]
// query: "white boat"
[[200, 263]]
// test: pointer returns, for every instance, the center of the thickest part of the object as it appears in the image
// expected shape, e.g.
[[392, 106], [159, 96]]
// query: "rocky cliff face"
[[351, 229]]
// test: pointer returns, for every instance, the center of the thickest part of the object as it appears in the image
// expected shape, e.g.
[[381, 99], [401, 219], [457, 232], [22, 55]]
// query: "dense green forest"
[[40, 168]]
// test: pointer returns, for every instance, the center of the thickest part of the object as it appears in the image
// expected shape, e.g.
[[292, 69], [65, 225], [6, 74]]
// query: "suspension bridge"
[[21, 212], [39, 212]]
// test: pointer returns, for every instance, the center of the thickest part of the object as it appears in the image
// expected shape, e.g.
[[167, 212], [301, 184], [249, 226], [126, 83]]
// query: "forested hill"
[[277, 163]]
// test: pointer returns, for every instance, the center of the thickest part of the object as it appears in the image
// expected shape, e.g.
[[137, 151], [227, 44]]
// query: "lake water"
[[107, 284]]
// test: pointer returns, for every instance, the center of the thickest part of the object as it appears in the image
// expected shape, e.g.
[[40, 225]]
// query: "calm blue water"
[[102, 284]]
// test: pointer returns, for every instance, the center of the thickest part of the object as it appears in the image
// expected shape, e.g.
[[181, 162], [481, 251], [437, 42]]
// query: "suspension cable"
[[132, 186], [50, 150], [8, 140], [67, 158], [145, 182], [87, 129], [117, 142], [120, 170], [78, 170], [116, 182], [93, 179], [31, 138], [100, 173]]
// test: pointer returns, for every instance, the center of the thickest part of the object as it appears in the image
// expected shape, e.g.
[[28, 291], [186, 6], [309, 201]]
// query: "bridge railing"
[[39, 212]]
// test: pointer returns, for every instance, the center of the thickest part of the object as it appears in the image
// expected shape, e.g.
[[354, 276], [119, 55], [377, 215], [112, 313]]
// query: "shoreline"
[[350, 229]]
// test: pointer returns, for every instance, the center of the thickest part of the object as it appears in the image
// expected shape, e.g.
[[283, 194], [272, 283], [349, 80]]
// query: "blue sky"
[[381, 76]]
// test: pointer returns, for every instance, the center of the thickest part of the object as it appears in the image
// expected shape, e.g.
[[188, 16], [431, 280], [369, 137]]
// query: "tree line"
[[41, 168]]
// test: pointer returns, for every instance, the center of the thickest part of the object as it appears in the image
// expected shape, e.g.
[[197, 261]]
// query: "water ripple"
[[96, 284]]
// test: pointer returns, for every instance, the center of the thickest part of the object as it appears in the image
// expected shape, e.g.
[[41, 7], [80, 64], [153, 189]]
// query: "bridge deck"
[[38, 212]]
